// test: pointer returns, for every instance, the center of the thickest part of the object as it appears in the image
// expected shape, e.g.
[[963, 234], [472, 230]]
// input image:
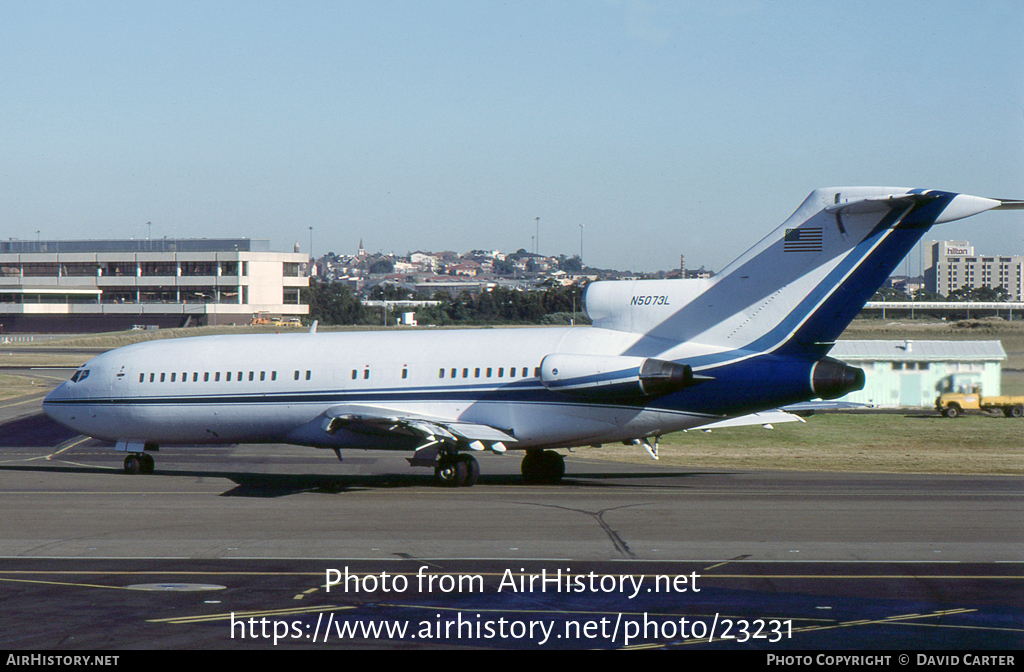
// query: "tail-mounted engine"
[[831, 379], [604, 377]]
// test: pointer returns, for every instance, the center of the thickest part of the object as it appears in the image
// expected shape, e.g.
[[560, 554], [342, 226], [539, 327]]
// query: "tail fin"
[[797, 289]]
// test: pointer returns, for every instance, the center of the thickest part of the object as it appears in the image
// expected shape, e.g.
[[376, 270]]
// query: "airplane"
[[660, 356]]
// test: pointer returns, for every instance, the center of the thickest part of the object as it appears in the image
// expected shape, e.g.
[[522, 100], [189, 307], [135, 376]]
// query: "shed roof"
[[919, 350]]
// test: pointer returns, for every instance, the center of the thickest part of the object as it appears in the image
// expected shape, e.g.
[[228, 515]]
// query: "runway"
[[849, 560]]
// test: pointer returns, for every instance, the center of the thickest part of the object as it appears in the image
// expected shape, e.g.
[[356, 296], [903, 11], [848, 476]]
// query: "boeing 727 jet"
[[661, 356]]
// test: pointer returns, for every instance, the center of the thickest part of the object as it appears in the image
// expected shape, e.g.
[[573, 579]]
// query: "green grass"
[[851, 442], [12, 386]]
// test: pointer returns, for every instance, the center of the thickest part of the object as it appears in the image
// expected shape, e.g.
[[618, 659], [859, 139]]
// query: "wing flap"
[[379, 420]]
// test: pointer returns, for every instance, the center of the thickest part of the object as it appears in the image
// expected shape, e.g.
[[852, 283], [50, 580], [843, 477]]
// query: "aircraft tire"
[[148, 463], [450, 472], [554, 467], [133, 465], [472, 470], [542, 467]]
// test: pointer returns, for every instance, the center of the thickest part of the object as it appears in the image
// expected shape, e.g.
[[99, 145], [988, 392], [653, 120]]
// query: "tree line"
[[965, 293], [333, 303]]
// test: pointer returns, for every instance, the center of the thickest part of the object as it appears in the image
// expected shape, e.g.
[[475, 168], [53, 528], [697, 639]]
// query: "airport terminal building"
[[77, 286]]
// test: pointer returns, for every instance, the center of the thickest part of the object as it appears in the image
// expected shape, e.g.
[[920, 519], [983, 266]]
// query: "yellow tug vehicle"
[[954, 404]]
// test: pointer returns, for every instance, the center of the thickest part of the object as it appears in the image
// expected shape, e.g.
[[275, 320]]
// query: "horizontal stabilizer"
[[808, 407], [762, 418], [863, 206], [1009, 204]]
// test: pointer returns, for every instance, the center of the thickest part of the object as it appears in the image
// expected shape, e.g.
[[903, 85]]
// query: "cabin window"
[[152, 376], [251, 375], [263, 375], [273, 375], [308, 374], [173, 375], [536, 372], [206, 376], [239, 379], [366, 374], [488, 372], [465, 373], [216, 377], [195, 377], [405, 373], [511, 372], [353, 374], [184, 377], [296, 375], [142, 377], [440, 373], [501, 371], [524, 372], [476, 372], [455, 373], [163, 377]]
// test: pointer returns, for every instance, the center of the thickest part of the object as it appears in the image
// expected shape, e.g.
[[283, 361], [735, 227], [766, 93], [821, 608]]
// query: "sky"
[[664, 128]]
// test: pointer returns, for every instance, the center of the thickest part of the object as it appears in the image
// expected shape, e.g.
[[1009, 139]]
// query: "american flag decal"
[[802, 240]]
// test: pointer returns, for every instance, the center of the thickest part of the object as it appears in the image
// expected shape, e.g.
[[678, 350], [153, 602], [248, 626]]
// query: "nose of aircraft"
[[52, 405]]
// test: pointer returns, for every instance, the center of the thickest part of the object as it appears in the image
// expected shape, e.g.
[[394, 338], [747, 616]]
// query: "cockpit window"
[[79, 376]]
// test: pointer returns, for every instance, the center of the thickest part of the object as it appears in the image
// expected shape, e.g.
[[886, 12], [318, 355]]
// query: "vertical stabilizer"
[[800, 286]]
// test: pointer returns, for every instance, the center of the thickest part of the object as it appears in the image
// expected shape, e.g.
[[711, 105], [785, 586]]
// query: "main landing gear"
[[543, 467], [139, 463], [457, 470]]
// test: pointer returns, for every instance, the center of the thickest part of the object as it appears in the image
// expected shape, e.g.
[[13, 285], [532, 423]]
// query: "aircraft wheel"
[[554, 465], [543, 466], [472, 470], [450, 472], [148, 463], [133, 464]]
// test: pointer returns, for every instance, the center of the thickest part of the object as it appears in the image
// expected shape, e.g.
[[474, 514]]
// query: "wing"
[[380, 421]]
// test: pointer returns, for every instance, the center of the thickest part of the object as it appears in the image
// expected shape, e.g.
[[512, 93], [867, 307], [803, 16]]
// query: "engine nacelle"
[[611, 376], [831, 379]]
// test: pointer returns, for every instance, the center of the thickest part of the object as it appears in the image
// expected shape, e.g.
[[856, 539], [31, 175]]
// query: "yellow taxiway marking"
[[901, 619], [68, 447], [428, 607], [239, 615], [64, 583], [306, 592], [959, 627], [19, 403]]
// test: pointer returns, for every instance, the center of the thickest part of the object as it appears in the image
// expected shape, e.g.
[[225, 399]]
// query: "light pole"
[[581, 248], [311, 243], [537, 250]]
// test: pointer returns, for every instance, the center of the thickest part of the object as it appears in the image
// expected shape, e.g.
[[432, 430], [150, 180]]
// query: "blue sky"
[[666, 128]]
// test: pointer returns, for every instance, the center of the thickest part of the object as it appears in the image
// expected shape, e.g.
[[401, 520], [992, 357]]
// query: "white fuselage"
[[277, 387]]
